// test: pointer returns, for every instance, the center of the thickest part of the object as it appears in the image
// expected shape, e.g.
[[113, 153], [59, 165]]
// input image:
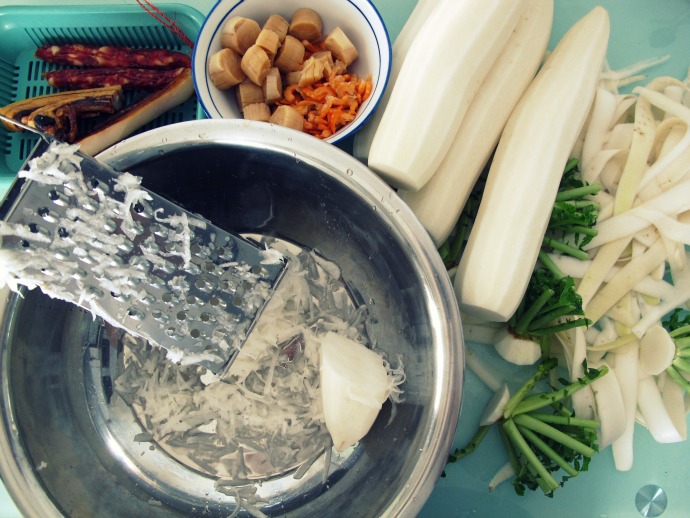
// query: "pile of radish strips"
[[275, 410], [637, 147]]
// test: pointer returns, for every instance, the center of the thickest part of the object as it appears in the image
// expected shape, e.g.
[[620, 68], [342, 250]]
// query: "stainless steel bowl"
[[65, 450]]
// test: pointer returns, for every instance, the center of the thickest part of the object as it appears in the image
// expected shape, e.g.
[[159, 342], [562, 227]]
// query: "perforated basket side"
[[31, 27]]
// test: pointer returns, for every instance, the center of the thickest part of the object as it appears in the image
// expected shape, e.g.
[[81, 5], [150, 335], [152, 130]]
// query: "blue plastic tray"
[[24, 28]]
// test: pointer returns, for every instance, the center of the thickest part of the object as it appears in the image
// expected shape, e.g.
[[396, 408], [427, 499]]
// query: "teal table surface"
[[640, 29]]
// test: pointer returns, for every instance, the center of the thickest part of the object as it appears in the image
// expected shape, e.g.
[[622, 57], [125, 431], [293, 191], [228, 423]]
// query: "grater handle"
[[26, 127]]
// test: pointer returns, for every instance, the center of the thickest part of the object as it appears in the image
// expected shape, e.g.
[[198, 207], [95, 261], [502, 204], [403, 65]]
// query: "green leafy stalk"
[[554, 433], [565, 420], [678, 326], [477, 438], [538, 443], [521, 444], [451, 250], [543, 399], [573, 217], [546, 449], [548, 300], [542, 372]]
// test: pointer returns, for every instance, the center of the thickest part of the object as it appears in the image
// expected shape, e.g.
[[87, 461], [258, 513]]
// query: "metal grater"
[[91, 236]]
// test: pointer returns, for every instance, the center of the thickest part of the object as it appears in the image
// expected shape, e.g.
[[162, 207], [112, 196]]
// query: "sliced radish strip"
[[657, 349], [654, 413]]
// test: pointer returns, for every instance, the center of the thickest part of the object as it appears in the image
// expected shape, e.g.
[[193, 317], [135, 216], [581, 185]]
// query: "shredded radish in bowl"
[[265, 416]]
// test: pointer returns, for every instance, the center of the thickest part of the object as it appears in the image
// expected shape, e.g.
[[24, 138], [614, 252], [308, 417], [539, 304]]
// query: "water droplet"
[[349, 172]]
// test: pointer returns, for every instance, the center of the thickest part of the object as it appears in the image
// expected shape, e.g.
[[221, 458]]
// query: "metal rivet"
[[651, 500]]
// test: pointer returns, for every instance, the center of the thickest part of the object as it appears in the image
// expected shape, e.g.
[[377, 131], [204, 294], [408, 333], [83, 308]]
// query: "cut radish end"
[[354, 386], [519, 351]]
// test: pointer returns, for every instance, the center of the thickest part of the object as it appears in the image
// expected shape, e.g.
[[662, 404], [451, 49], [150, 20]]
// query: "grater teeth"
[[94, 237]]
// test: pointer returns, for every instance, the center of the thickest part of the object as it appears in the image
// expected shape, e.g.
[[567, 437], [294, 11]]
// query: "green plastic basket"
[[24, 28]]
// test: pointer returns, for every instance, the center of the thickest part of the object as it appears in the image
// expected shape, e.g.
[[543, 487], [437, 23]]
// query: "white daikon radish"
[[672, 396], [494, 409], [625, 369], [439, 203], [354, 385], [515, 349], [421, 11], [526, 170], [657, 349], [610, 407], [443, 69]]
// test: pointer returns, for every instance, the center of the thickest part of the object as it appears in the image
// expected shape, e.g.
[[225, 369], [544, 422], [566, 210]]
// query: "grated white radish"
[[265, 416]]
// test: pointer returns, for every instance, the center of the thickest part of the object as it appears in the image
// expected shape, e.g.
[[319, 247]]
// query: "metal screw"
[[651, 500]]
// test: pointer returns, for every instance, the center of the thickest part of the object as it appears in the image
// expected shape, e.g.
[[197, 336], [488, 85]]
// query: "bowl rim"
[[446, 387], [223, 10]]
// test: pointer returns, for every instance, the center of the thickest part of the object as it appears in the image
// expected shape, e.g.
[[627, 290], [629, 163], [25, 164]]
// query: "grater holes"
[[160, 316], [136, 314], [58, 198], [47, 214]]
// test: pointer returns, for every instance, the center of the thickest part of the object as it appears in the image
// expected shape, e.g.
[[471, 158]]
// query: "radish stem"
[[553, 433]]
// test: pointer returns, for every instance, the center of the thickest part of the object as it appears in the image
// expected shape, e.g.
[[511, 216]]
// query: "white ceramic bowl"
[[359, 19]]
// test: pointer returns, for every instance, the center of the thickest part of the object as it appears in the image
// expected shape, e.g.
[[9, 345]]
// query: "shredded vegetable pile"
[[265, 416]]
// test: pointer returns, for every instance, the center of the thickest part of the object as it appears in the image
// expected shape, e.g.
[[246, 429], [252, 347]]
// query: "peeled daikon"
[[354, 385]]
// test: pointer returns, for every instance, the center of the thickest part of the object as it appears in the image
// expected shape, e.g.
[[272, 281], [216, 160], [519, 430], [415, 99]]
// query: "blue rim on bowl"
[[358, 18]]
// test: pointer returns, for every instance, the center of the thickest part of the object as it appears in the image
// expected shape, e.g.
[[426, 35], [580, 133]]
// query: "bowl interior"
[[359, 19], [81, 449]]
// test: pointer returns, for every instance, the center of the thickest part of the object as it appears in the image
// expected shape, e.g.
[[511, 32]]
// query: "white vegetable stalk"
[[421, 11], [522, 185], [672, 396], [439, 203], [443, 69], [672, 202], [625, 280], [506, 472], [610, 408], [600, 122], [625, 369], [654, 412]]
